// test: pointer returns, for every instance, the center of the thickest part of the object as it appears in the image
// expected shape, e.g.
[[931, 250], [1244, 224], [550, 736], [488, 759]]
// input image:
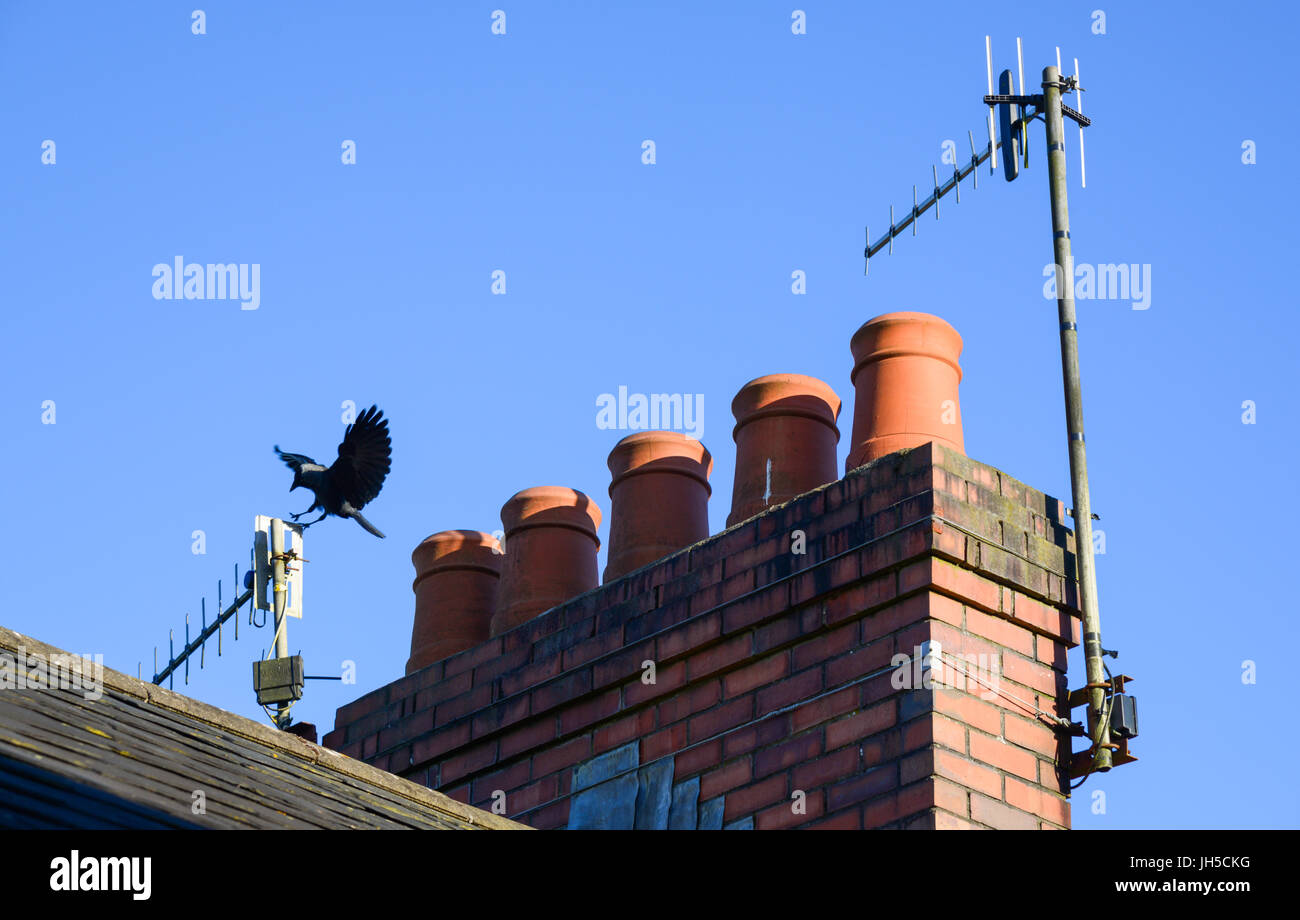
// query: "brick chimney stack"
[[882, 650]]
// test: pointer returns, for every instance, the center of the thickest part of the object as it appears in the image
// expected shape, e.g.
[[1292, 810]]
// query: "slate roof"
[[136, 756]]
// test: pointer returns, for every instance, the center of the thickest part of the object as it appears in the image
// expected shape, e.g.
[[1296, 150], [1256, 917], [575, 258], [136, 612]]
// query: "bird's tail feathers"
[[356, 515]]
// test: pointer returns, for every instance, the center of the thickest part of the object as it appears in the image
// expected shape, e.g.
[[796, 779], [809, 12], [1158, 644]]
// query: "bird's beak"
[[292, 487]]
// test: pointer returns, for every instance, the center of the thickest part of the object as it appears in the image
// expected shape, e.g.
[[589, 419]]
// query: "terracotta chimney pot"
[[785, 441], [456, 576], [905, 373], [550, 553], [659, 498]]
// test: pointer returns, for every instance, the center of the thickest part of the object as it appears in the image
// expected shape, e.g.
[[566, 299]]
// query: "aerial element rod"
[[202, 637], [952, 182]]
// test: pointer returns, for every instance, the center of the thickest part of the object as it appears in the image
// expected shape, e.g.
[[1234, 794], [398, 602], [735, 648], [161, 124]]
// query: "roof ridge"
[[11, 641]]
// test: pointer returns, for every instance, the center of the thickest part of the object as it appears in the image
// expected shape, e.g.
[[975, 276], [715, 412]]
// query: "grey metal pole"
[[1098, 724], [278, 592]]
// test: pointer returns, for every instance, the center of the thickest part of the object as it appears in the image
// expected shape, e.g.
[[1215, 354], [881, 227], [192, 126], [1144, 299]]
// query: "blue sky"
[[523, 153]]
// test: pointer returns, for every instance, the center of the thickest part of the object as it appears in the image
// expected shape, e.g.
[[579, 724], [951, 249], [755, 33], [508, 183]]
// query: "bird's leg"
[[302, 513], [322, 517]]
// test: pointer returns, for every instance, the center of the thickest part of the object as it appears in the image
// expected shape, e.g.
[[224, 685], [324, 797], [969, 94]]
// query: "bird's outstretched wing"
[[295, 462], [364, 458]]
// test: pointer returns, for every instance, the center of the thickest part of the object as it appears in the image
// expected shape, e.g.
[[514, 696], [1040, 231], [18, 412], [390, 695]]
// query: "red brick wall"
[[775, 671]]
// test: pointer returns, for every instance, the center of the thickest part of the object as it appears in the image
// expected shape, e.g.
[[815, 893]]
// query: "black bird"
[[354, 479]]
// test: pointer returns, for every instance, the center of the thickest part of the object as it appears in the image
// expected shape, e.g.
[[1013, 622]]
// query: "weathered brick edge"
[[773, 669]]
